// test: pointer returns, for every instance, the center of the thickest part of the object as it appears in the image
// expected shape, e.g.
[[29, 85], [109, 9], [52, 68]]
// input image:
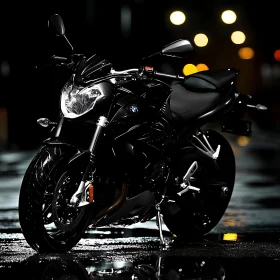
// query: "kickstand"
[[159, 224]]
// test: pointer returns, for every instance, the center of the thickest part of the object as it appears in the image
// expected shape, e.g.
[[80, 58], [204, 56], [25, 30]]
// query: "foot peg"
[[185, 185]]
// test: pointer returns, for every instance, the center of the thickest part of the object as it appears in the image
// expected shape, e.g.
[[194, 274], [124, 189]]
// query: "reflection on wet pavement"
[[150, 267], [142, 258], [244, 245]]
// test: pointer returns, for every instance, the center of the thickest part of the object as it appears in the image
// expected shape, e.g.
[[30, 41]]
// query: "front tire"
[[194, 214], [47, 221]]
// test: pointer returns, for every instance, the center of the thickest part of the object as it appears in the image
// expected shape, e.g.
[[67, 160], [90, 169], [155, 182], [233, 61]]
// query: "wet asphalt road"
[[244, 245]]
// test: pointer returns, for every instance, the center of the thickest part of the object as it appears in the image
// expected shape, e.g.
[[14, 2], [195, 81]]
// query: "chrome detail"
[[224, 192], [185, 186], [45, 122], [102, 121], [259, 107], [125, 71], [159, 221], [79, 198], [190, 172], [207, 149]]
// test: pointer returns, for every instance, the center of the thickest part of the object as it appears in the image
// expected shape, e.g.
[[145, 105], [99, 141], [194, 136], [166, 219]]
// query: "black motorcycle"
[[130, 146]]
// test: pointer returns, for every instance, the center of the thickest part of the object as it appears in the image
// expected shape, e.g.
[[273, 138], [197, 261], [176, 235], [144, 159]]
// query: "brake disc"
[[65, 216]]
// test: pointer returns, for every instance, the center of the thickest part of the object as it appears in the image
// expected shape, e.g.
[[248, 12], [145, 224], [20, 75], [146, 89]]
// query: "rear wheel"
[[193, 214], [48, 222]]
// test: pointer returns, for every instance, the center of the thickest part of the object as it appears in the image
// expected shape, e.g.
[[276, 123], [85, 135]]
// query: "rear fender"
[[233, 121]]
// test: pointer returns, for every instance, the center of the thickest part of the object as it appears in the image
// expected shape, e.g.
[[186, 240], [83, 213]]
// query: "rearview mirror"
[[57, 23], [178, 48]]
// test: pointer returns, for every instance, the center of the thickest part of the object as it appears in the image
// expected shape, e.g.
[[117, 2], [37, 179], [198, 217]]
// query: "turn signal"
[[91, 193]]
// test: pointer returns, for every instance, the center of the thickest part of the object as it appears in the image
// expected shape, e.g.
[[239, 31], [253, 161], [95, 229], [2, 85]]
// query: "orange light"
[[91, 193], [243, 141], [246, 53], [277, 55], [202, 67]]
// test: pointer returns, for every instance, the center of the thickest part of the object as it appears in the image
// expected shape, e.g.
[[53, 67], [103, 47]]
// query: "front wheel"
[[48, 222], [196, 213]]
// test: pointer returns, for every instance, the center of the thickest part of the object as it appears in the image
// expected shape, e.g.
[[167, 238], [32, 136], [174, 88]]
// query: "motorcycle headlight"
[[76, 100]]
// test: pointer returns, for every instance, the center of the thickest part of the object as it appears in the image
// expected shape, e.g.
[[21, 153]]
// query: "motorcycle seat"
[[186, 104], [210, 80]]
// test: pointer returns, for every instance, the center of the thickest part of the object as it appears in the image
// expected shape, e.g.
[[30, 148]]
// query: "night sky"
[[94, 27]]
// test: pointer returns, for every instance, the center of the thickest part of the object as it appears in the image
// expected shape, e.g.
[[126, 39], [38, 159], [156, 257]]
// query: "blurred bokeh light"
[[201, 40], [228, 16], [202, 67], [277, 55], [246, 53], [177, 17], [5, 68], [238, 37], [189, 69], [243, 141]]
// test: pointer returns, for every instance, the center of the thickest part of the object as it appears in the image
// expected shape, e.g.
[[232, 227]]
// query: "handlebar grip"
[[171, 76], [150, 70]]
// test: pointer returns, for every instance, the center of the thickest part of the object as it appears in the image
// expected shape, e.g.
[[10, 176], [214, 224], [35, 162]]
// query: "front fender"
[[76, 163], [79, 161]]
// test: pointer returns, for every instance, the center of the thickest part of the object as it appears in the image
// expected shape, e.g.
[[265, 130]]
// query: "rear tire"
[[47, 221], [193, 215]]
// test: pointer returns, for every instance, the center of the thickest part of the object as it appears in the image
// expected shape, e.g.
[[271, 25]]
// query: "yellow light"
[[189, 69], [243, 141], [230, 236], [201, 67], [238, 37], [246, 53], [228, 16], [201, 40], [177, 17]]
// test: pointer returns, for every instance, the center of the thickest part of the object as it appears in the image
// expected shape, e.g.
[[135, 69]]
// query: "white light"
[[201, 40], [228, 16], [177, 17], [238, 37]]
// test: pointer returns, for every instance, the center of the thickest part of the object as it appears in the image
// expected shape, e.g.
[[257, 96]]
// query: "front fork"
[[79, 198]]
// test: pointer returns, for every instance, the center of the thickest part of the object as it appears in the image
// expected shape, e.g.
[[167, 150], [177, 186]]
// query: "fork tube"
[[101, 123], [58, 127], [78, 195]]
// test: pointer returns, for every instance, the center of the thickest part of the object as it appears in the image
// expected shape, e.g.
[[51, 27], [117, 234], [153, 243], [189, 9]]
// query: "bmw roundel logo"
[[134, 109]]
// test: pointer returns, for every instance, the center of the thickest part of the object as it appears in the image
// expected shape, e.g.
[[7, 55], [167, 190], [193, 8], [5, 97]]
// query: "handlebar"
[[150, 71]]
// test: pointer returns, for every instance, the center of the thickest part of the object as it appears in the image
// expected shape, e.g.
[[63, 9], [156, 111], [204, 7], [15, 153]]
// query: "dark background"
[[93, 26]]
